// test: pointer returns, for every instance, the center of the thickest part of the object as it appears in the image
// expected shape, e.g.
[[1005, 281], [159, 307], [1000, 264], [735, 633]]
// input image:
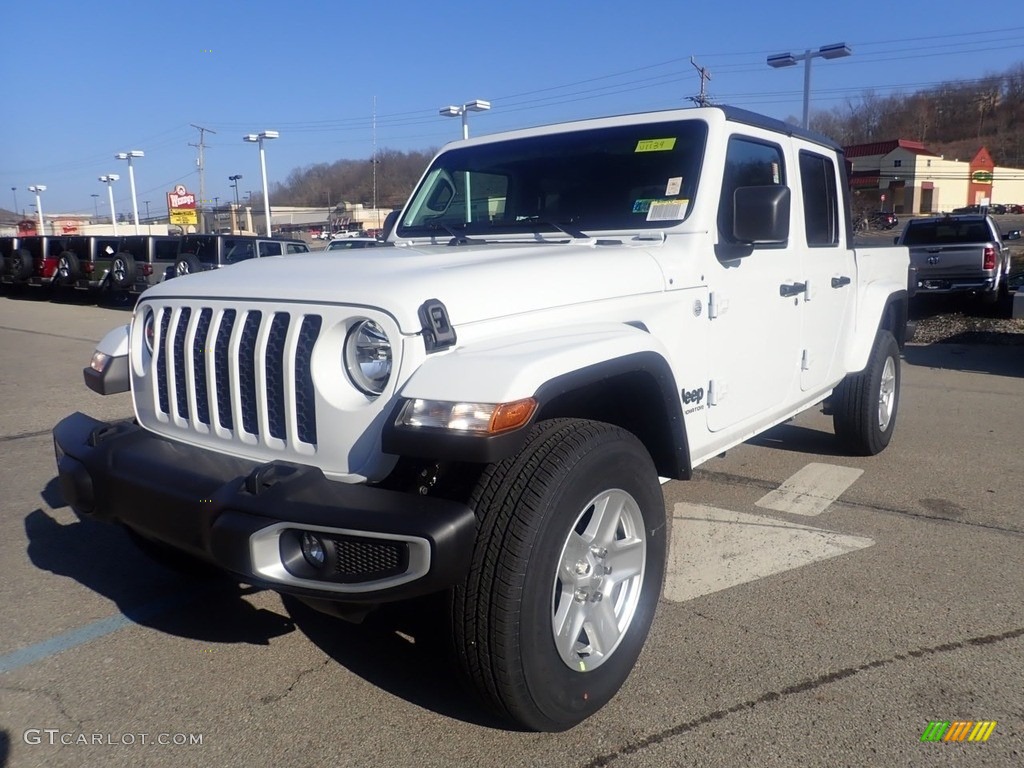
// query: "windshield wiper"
[[458, 238], [564, 227]]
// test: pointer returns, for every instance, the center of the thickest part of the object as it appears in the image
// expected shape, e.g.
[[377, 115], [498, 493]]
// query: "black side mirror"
[[1013, 234], [761, 214]]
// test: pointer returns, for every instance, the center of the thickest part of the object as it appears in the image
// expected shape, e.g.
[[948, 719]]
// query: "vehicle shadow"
[[970, 356], [792, 437], [402, 648], [5, 747], [102, 558]]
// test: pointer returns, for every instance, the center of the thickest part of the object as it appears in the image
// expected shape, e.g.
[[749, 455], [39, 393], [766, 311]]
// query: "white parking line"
[[714, 549], [811, 490]]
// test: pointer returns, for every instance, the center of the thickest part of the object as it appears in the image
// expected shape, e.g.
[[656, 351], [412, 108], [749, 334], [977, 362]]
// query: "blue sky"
[[88, 80]]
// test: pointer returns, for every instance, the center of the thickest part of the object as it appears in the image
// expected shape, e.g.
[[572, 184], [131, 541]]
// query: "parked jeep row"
[[127, 263]]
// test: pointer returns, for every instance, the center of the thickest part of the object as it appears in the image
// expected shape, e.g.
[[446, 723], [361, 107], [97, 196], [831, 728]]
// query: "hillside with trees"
[[953, 119]]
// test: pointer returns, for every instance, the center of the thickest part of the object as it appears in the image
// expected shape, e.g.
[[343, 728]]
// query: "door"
[[828, 270], [754, 332]]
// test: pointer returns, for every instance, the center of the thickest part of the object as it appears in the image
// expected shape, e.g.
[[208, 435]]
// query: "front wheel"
[[566, 573], [864, 404]]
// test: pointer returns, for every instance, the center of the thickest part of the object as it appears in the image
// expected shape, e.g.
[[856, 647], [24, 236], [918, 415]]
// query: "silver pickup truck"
[[959, 254]]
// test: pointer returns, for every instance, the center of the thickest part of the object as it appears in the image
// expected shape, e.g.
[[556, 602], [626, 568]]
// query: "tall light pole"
[[131, 180], [258, 138], [37, 188], [834, 51], [234, 186], [477, 105], [14, 191], [95, 203], [109, 180]]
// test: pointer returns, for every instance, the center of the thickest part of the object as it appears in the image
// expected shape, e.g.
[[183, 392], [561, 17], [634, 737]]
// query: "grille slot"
[[275, 375], [221, 373], [199, 366], [180, 387], [364, 559], [244, 353], [247, 372]]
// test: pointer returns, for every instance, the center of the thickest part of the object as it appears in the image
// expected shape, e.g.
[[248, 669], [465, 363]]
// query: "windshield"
[[619, 178]]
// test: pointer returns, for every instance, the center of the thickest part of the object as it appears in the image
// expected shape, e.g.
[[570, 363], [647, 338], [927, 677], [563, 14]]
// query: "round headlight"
[[149, 330], [368, 357]]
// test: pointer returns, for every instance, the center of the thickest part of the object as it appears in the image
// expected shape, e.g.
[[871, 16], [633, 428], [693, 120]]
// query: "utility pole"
[[376, 211], [202, 172], [701, 100]]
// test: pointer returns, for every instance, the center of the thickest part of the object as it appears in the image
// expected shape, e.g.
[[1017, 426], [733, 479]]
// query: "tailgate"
[[948, 260]]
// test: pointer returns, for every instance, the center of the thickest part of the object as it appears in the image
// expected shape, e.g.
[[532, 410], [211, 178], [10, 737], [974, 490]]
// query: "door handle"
[[839, 282], [792, 289]]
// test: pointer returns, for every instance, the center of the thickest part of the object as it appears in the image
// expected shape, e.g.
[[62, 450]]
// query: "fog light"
[[313, 549]]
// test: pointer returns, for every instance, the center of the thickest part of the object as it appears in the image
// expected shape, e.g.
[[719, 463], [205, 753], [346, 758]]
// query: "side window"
[[821, 201], [748, 163], [295, 248], [235, 251], [269, 249]]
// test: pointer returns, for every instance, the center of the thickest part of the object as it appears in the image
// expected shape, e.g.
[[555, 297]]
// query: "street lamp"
[[834, 51], [95, 203], [109, 180], [258, 138], [131, 180], [477, 105], [14, 191], [37, 188], [234, 186]]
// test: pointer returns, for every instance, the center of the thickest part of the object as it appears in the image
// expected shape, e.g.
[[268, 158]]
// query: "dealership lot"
[[819, 609]]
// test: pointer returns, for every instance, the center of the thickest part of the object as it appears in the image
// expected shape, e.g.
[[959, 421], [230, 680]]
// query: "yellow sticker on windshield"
[[655, 145]]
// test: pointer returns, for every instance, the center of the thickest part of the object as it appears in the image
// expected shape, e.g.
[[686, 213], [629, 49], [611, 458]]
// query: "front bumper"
[[249, 518]]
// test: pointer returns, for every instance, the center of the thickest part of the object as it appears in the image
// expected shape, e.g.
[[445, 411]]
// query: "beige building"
[[904, 176]]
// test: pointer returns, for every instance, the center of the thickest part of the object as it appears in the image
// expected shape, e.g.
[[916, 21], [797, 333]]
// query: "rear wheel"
[[566, 573], [21, 264], [864, 404], [122, 271], [68, 268], [186, 264]]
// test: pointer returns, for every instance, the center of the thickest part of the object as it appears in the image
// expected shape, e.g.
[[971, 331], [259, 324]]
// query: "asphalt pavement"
[[819, 610]]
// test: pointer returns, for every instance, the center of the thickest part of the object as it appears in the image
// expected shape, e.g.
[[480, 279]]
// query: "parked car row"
[[997, 209], [129, 263]]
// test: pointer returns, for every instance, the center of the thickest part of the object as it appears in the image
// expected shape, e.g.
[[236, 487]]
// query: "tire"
[[187, 264], [122, 271], [538, 565], [69, 268], [22, 264], [864, 405]]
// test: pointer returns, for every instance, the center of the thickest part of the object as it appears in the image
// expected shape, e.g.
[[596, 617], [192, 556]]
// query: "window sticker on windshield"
[[673, 186], [655, 145], [643, 205], [667, 210]]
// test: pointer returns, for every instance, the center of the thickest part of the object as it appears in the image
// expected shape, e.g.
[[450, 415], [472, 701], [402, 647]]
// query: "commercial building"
[[906, 177]]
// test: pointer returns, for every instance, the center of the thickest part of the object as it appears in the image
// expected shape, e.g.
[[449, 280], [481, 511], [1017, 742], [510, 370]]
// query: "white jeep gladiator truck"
[[567, 314]]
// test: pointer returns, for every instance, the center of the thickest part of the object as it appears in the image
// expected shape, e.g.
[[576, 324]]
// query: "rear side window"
[[269, 249], [238, 250], [748, 163], [295, 248], [821, 202], [165, 250]]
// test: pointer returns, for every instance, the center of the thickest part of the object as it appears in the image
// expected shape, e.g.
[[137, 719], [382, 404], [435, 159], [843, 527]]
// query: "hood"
[[475, 282]]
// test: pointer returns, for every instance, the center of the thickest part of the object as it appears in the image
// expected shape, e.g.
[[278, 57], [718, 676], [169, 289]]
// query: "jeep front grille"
[[242, 369]]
